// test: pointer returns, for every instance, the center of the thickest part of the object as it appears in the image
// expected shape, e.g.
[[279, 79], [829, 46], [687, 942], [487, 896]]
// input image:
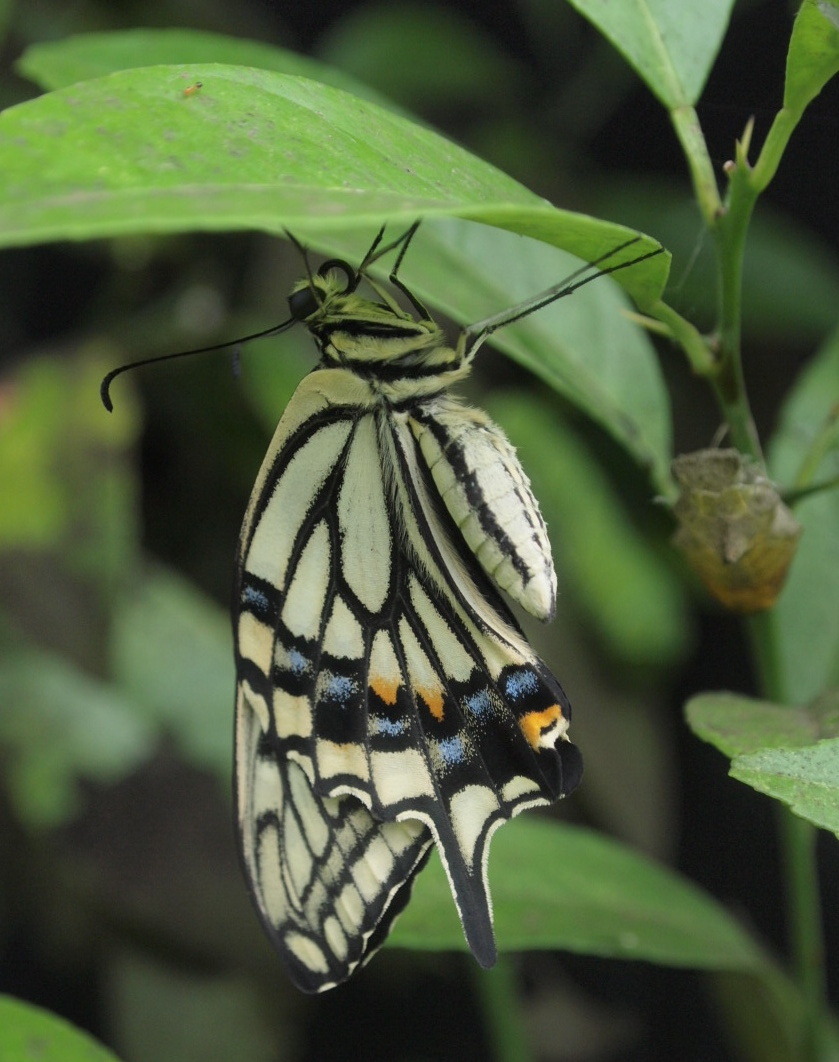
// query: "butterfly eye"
[[302, 304], [347, 270]]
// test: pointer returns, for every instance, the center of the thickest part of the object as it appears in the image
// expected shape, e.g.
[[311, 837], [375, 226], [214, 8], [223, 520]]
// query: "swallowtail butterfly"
[[387, 699]]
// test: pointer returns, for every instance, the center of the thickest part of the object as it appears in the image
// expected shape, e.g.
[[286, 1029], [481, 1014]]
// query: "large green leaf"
[[806, 617], [671, 46], [31, 1034], [558, 886], [131, 152], [805, 778], [55, 64]]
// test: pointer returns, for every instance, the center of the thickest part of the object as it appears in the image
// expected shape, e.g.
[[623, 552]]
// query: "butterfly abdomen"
[[488, 495]]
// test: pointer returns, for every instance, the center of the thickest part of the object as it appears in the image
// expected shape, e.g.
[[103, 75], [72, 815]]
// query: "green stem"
[[798, 850], [688, 130], [798, 841], [689, 338], [730, 241], [728, 222], [773, 148], [499, 1000]]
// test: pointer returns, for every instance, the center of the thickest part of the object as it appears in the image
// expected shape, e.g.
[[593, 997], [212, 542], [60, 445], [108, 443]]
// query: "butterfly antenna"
[[375, 252], [481, 330], [304, 254], [105, 386]]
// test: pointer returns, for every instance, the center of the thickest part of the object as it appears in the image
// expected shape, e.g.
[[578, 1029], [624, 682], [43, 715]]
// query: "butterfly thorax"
[[402, 357]]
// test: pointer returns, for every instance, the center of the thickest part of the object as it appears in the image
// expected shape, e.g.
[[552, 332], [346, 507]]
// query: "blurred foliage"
[[120, 905], [29, 1033]]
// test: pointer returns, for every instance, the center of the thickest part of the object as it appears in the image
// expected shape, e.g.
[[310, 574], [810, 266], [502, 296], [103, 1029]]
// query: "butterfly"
[[387, 700]]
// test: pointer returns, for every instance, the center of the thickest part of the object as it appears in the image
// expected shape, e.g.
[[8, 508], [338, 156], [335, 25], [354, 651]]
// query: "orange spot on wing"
[[535, 723], [385, 689], [434, 699]]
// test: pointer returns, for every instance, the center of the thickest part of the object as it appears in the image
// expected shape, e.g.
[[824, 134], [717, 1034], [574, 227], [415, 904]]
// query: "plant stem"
[[688, 130], [729, 233], [797, 839], [499, 1000]]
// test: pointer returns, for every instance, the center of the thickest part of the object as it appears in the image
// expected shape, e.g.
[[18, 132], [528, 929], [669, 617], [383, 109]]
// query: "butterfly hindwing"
[[386, 696]]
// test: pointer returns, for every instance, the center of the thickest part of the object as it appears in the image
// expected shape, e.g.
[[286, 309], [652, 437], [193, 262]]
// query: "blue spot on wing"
[[479, 703], [520, 684], [254, 598], [452, 750], [340, 688], [393, 728], [298, 663]]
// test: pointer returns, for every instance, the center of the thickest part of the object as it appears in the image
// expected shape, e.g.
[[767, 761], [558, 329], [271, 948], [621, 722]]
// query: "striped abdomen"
[[488, 495]]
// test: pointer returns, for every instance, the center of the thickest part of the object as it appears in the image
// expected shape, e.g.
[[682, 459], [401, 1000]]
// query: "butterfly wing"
[[386, 697], [326, 877]]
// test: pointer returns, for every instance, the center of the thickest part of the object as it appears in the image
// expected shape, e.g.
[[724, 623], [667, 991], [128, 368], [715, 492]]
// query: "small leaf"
[[32, 1034], [807, 779], [558, 886], [738, 725], [671, 46], [813, 57]]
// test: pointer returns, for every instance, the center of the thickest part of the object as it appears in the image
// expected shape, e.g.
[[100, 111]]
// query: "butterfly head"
[[328, 300], [323, 299]]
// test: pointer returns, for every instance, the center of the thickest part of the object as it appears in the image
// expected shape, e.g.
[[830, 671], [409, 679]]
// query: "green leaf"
[[131, 153], [55, 64], [671, 46], [813, 57], [806, 779], [172, 652], [59, 725], [31, 1034], [738, 725], [583, 347], [559, 886], [393, 46], [629, 595], [806, 618]]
